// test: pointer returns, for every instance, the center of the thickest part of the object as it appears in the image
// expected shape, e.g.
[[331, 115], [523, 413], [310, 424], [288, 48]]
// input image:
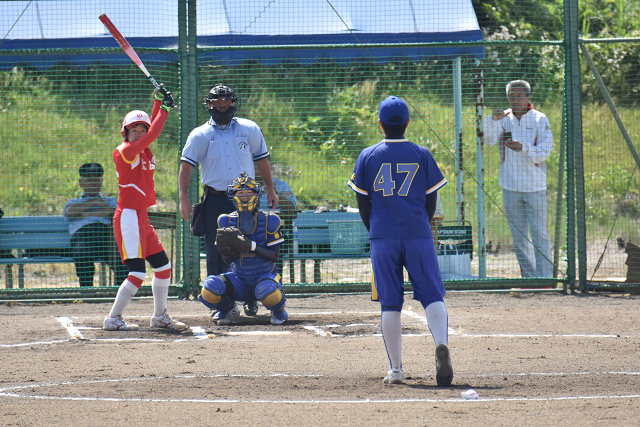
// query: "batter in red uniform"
[[136, 238]]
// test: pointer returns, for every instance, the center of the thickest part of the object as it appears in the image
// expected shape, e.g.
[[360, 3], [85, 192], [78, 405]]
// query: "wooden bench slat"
[[36, 260], [34, 224], [313, 230], [36, 241], [319, 220]]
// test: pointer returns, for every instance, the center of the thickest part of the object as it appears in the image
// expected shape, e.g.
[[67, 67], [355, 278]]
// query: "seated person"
[[287, 202], [90, 226], [253, 275], [286, 210]]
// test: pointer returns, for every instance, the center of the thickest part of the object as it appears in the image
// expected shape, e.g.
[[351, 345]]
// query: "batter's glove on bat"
[[167, 103], [232, 243], [160, 92]]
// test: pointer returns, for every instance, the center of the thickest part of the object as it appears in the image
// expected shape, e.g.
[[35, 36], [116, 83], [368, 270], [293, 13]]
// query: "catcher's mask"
[[221, 92], [246, 221], [133, 118], [244, 182]]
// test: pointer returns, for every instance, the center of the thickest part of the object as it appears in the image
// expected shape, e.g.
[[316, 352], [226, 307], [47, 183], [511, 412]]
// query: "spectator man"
[[525, 144], [225, 146], [90, 226]]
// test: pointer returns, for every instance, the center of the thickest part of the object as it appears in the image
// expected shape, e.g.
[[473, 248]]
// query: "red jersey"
[[135, 166]]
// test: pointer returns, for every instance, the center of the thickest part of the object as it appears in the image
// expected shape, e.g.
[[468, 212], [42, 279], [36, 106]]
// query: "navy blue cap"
[[91, 169], [393, 106]]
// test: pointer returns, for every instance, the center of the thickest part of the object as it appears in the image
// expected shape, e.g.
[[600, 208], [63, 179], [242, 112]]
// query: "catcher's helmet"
[[221, 92], [244, 182], [132, 118]]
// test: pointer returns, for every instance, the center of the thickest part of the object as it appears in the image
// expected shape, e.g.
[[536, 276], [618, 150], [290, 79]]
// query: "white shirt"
[[522, 171], [76, 224], [223, 154]]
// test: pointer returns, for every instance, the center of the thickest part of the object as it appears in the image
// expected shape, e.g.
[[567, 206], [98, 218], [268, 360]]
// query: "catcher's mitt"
[[229, 243]]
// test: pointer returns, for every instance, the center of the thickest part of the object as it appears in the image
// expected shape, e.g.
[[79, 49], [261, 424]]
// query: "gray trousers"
[[527, 214]]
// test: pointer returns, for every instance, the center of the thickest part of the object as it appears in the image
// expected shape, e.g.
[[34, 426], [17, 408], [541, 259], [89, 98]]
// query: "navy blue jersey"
[[397, 175]]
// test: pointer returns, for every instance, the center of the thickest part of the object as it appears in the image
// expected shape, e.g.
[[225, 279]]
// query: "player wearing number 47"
[[249, 241], [396, 184], [137, 240]]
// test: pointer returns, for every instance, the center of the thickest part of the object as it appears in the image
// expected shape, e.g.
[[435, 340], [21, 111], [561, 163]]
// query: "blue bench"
[[35, 233], [316, 241]]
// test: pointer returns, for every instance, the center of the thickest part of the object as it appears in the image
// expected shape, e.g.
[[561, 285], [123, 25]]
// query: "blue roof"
[[73, 24]]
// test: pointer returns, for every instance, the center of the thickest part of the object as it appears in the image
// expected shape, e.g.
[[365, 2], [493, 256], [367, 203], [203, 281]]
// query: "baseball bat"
[[124, 44]]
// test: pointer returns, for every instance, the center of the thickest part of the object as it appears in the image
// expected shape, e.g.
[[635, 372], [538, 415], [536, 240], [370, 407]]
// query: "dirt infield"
[[534, 359]]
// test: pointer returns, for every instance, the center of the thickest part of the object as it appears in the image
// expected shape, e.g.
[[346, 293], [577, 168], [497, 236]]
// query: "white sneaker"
[[165, 322], [118, 324], [394, 376], [226, 318], [444, 369]]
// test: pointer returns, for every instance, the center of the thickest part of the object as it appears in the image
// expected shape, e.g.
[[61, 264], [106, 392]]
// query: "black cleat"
[[444, 369]]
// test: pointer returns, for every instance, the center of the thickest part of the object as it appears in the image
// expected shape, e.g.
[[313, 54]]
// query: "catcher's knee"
[[270, 295], [216, 289]]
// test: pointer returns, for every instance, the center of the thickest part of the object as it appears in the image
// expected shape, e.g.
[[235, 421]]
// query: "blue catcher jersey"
[[397, 175], [251, 267]]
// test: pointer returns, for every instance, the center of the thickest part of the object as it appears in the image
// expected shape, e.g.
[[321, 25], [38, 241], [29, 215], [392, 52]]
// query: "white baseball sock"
[[160, 288], [438, 321], [392, 336], [126, 292]]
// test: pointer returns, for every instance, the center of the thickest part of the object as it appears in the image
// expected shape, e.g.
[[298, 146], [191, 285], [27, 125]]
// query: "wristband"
[[253, 246]]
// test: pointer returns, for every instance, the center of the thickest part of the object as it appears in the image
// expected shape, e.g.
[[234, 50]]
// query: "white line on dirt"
[[537, 335], [14, 391], [330, 402], [199, 332], [68, 324], [25, 344], [258, 333]]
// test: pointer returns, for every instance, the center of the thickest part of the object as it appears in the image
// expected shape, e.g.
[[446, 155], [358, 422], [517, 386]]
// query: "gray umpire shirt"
[[223, 154]]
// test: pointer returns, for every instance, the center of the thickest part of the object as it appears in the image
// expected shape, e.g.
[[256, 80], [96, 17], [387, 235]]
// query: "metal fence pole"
[[188, 121], [575, 169]]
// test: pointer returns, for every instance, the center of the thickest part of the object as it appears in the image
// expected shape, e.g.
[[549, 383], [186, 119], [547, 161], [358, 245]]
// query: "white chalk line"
[[13, 392], [68, 325], [199, 332], [332, 402]]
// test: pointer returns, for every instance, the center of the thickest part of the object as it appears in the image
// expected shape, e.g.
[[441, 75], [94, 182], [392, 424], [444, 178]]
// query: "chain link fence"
[[314, 86]]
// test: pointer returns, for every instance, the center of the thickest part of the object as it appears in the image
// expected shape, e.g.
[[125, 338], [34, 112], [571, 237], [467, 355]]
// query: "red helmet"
[[132, 118]]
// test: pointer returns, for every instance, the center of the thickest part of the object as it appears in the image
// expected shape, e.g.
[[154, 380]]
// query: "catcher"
[[249, 241]]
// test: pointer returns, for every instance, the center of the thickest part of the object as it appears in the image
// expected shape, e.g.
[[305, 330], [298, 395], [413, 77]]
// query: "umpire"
[[225, 146]]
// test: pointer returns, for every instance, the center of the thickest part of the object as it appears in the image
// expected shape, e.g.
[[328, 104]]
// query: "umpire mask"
[[221, 92]]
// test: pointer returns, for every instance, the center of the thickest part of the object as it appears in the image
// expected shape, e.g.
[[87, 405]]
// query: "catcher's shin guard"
[[216, 292], [270, 295]]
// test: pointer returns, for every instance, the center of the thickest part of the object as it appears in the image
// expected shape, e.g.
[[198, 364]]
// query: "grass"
[[314, 131]]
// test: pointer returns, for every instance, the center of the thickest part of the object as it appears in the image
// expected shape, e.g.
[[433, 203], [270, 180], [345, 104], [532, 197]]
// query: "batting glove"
[[160, 92], [168, 103]]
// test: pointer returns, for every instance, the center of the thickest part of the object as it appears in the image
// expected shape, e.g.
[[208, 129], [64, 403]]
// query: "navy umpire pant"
[[215, 205]]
